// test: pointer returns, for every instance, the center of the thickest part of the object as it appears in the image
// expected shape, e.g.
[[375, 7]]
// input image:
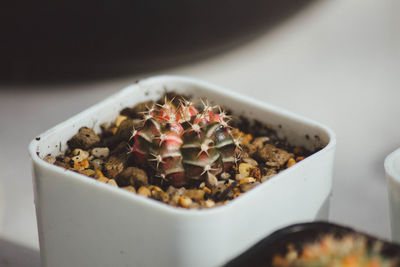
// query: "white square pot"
[[83, 222]]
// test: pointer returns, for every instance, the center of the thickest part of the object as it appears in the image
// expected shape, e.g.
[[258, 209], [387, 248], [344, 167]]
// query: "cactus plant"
[[183, 143]]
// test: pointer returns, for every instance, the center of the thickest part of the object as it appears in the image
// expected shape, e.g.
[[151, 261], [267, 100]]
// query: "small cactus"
[[181, 143]]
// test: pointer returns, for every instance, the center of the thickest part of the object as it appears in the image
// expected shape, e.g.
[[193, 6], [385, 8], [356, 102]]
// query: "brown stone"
[[124, 131], [132, 176], [135, 111], [195, 194], [84, 139], [273, 156], [114, 166]]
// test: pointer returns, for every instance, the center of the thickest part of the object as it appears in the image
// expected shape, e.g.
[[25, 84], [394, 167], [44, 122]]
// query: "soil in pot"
[[185, 154]]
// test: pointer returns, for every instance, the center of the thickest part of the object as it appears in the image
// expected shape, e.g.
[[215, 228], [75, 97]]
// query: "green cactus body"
[[180, 143]]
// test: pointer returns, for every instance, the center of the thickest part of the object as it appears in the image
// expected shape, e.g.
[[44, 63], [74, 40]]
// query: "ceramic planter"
[[83, 222]]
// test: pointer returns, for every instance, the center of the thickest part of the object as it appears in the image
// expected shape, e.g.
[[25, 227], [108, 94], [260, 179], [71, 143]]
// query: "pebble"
[[237, 194], [162, 196], [246, 187], [299, 158], [129, 188], [211, 180], [251, 149], [259, 141], [88, 172], [256, 173], [194, 205], [230, 181], [124, 131], [273, 156], [103, 179], [121, 148], [207, 190], [85, 138], [101, 152], [133, 176], [79, 155], [112, 182], [250, 161], [298, 150], [144, 191], [50, 159], [171, 190], [221, 187], [247, 180], [244, 169], [97, 164], [225, 175], [119, 119], [174, 200], [195, 194], [290, 162], [98, 174], [181, 191], [209, 203], [114, 166], [185, 201], [240, 176], [81, 165], [269, 174], [154, 188], [158, 194], [79, 152]]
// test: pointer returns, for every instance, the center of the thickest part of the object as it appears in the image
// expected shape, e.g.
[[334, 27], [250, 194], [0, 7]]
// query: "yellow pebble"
[[129, 188], [209, 203], [185, 201], [155, 188], [244, 169], [207, 190], [236, 195], [80, 166], [98, 174], [120, 119], [112, 182], [290, 162], [247, 180], [144, 191], [88, 172], [103, 179], [249, 137]]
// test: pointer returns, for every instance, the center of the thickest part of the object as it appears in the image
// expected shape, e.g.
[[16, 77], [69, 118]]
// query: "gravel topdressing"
[[106, 157]]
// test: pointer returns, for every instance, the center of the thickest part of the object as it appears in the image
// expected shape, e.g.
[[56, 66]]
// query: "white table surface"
[[337, 62]]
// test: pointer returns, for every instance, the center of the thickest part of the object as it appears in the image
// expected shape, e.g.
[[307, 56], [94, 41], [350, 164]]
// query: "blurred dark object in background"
[[298, 235], [46, 41]]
